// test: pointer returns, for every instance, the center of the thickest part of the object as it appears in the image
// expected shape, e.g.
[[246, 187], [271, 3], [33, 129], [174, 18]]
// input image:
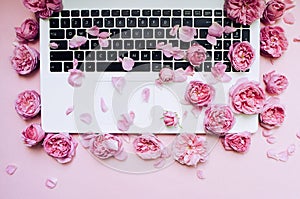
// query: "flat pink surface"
[[228, 175]]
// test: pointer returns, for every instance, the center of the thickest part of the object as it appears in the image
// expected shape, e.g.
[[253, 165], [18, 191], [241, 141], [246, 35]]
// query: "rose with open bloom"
[[244, 11], [189, 149], [199, 94], [275, 83], [43, 8], [239, 142], [218, 119], [246, 97], [33, 134], [60, 146], [28, 104], [273, 11], [28, 31], [148, 146], [106, 145], [273, 114], [25, 59], [196, 54], [241, 55], [170, 118], [273, 42]]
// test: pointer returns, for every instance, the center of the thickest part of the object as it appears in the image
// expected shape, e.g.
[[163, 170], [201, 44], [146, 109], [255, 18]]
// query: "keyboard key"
[[135, 12], [61, 56], [187, 22], [140, 44], [227, 22], [105, 13], [218, 55], [128, 44], [246, 35], [125, 12], [184, 45], [120, 22], [134, 55], [187, 12], [123, 54], [226, 44], [148, 33], [108, 47], [182, 65], [142, 22], [207, 66], [70, 33], [208, 55], [156, 66], [176, 21], [62, 44], [167, 65], [159, 33], [137, 33], [228, 69], [101, 55], [98, 22], [167, 58], [236, 34], [65, 13], [117, 44], [76, 22], [126, 33], [79, 55], [218, 46], [174, 43], [168, 34], [146, 12], [198, 68], [85, 46], [227, 35], [55, 66], [57, 34], [145, 55], [109, 22], [207, 13], [68, 66], [115, 33], [165, 22], [95, 13], [166, 12], [218, 13], [54, 23], [65, 23], [90, 55], [202, 22], [109, 66], [81, 32], [115, 13], [111, 55], [141, 67], [85, 13], [154, 22], [219, 21], [156, 12], [75, 13], [203, 33], [131, 22], [95, 44], [90, 66], [150, 44], [198, 13], [176, 12], [55, 14], [204, 43], [225, 56], [156, 55], [87, 22]]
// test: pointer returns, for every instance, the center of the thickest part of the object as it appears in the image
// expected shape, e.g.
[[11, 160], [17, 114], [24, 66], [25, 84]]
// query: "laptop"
[[100, 65]]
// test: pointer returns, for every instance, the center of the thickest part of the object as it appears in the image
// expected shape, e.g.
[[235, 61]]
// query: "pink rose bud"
[[60, 146], [28, 31], [273, 42], [199, 94], [148, 147], [246, 97], [275, 83], [166, 75], [25, 59], [196, 54], [273, 11], [238, 142], [33, 134], [170, 118], [28, 104], [241, 55], [219, 119], [272, 115]]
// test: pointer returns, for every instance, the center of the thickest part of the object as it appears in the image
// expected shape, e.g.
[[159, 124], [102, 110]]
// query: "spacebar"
[[117, 67]]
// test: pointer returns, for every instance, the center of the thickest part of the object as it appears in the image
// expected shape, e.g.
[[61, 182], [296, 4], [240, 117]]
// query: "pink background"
[[228, 175]]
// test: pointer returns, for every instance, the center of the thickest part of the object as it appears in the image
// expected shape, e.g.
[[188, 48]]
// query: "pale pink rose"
[[273, 114], [199, 94], [43, 8], [148, 147], [218, 119], [170, 118], [275, 83], [239, 142], [28, 104], [196, 54], [166, 75], [246, 97], [273, 42], [273, 11], [25, 59], [189, 149], [106, 145], [187, 33], [218, 72], [60, 146], [174, 30], [33, 134], [244, 11], [76, 77], [241, 55], [28, 31]]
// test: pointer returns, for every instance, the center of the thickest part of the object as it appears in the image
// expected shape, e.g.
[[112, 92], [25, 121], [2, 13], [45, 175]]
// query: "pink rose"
[[239, 142], [148, 146], [189, 149], [106, 145], [33, 134], [241, 55], [274, 11], [199, 94], [196, 54], [272, 115], [43, 8], [244, 11], [60, 146], [166, 75], [28, 31], [219, 119], [246, 97], [275, 83], [170, 118], [28, 104], [273, 42], [25, 59], [187, 33]]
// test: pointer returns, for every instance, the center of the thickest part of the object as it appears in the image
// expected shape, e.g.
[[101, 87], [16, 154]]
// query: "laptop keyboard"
[[135, 33]]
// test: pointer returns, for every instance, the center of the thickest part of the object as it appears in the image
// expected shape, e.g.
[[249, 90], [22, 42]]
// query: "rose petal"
[[69, 110], [211, 39], [296, 39], [121, 156], [94, 31], [289, 18], [196, 111], [126, 121], [159, 163], [86, 118], [272, 154], [77, 41], [185, 113], [146, 95], [51, 183], [215, 30], [229, 29], [103, 105], [160, 45], [127, 63], [298, 134], [266, 133], [118, 83], [125, 137], [174, 30], [200, 174], [166, 153], [104, 35], [271, 140], [75, 63], [76, 77], [283, 156], [179, 75], [11, 169], [189, 71], [103, 42], [291, 149], [186, 33], [53, 45]]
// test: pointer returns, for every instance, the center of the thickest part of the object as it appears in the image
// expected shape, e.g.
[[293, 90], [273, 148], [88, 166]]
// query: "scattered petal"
[[298, 134], [75, 63], [104, 35], [179, 75], [159, 163], [196, 111], [289, 18], [94, 31], [86, 118], [77, 41], [266, 133], [165, 153], [127, 63], [126, 121], [11, 169], [200, 174], [118, 83], [219, 72], [146, 95], [160, 45], [272, 154], [291, 149], [121, 156], [76, 77], [187, 33], [103, 42], [229, 29], [211, 39], [53, 45], [189, 71], [283, 156], [271, 140], [104, 107], [215, 30], [51, 183], [69, 110], [174, 30]]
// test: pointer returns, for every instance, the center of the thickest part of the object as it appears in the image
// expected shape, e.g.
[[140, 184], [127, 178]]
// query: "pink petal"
[[226, 78], [127, 63], [53, 45], [211, 39], [75, 63], [298, 134], [125, 137], [104, 35], [126, 121], [86, 118], [103, 42], [215, 30], [94, 31], [159, 163], [229, 29], [121, 156], [189, 71], [177, 53], [51, 183], [11, 169], [104, 108], [160, 45], [266, 133], [271, 140], [76, 77], [283, 156], [69, 110], [118, 83], [291, 149], [289, 18], [186, 33], [179, 75], [272, 154], [200, 174], [196, 111], [146, 94], [297, 39], [184, 115], [174, 30], [77, 41]]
